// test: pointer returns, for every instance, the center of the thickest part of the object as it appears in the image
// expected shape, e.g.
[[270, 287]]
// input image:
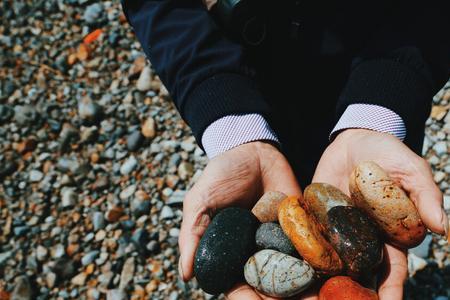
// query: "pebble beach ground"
[[95, 162]]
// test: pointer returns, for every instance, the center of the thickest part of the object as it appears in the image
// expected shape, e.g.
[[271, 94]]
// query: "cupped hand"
[[412, 172], [237, 177]]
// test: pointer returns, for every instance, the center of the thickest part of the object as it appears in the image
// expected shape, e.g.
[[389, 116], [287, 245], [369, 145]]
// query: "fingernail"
[[180, 269]]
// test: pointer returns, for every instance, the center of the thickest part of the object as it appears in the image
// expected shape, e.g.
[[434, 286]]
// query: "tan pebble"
[[149, 128], [266, 209]]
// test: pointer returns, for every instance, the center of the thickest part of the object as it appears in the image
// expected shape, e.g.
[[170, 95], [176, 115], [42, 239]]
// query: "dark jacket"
[[394, 53]]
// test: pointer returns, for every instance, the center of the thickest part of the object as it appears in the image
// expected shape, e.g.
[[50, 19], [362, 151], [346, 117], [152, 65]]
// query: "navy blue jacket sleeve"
[[405, 63], [205, 73]]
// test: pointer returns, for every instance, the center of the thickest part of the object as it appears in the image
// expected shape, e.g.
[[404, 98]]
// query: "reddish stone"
[[344, 288]]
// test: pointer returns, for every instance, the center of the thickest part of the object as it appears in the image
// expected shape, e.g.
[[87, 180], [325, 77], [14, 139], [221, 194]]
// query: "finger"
[[391, 287], [426, 196], [196, 219], [242, 291]]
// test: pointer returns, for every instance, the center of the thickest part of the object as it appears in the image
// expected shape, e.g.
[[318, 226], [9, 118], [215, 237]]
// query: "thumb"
[[427, 197], [196, 218]]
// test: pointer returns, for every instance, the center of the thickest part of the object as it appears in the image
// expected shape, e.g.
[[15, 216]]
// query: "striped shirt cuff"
[[234, 130], [370, 116]]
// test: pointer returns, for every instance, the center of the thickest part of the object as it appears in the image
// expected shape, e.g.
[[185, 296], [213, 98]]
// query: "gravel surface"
[[95, 162]]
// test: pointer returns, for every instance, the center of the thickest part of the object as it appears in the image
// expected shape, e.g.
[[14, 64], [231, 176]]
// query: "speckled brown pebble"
[[381, 198], [344, 288], [266, 209], [303, 231], [349, 230]]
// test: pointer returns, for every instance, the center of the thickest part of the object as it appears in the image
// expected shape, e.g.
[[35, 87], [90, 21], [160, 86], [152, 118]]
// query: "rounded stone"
[[304, 233], [348, 229], [277, 274], [226, 245], [342, 288], [266, 209], [271, 236]]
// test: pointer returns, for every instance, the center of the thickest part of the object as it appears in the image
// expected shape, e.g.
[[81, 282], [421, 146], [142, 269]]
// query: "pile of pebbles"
[[94, 159], [95, 162]]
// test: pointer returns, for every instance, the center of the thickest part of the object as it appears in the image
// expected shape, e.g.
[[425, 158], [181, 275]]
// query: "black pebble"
[[224, 249], [356, 239]]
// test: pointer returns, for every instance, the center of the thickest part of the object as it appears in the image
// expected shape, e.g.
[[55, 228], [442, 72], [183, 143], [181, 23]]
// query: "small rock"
[[271, 236], [143, 84], [176, 197], [424, 248], [4, 256], [129, 165], [149, 128], [188, 145], [89, 257], [116, 294], [22, 289], [174, 232], [415, 264], [35, 176], [25, 115], [113, 214], [65, 268], [447, 202], [69, 197], [439, 176], [266, 209], [140, 207], [80, 279], [58, 251], [134, 141], [166, 213], [278, 275], [185, 170], [127, 192], [41, 253], [89, 111], [98, 221], [127, 273], [100, 235], [440, 148], [92, 13], [50, 279]]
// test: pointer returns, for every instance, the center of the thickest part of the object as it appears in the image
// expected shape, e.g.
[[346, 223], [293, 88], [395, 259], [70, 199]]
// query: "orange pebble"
[[92, 36], [344, 288]]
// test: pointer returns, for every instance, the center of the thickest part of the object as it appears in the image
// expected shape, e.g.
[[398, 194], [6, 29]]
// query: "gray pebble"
[[276, 274], [98, 220], [69, 197], [134, 141], [92, 13], [166, 213], [89, 257], [129, 165], [35, 176], [423, 249], [22, 289], [271, 236], [116, 294]]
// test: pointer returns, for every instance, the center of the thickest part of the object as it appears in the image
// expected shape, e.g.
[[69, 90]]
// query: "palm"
[[238, 177], [405, 167]]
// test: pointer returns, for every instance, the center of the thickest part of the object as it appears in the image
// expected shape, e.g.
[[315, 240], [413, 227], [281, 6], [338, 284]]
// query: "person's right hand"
[[237, 177]]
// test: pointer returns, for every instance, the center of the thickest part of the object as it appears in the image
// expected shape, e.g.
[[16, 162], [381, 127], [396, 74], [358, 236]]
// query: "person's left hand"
[[412, 172]]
